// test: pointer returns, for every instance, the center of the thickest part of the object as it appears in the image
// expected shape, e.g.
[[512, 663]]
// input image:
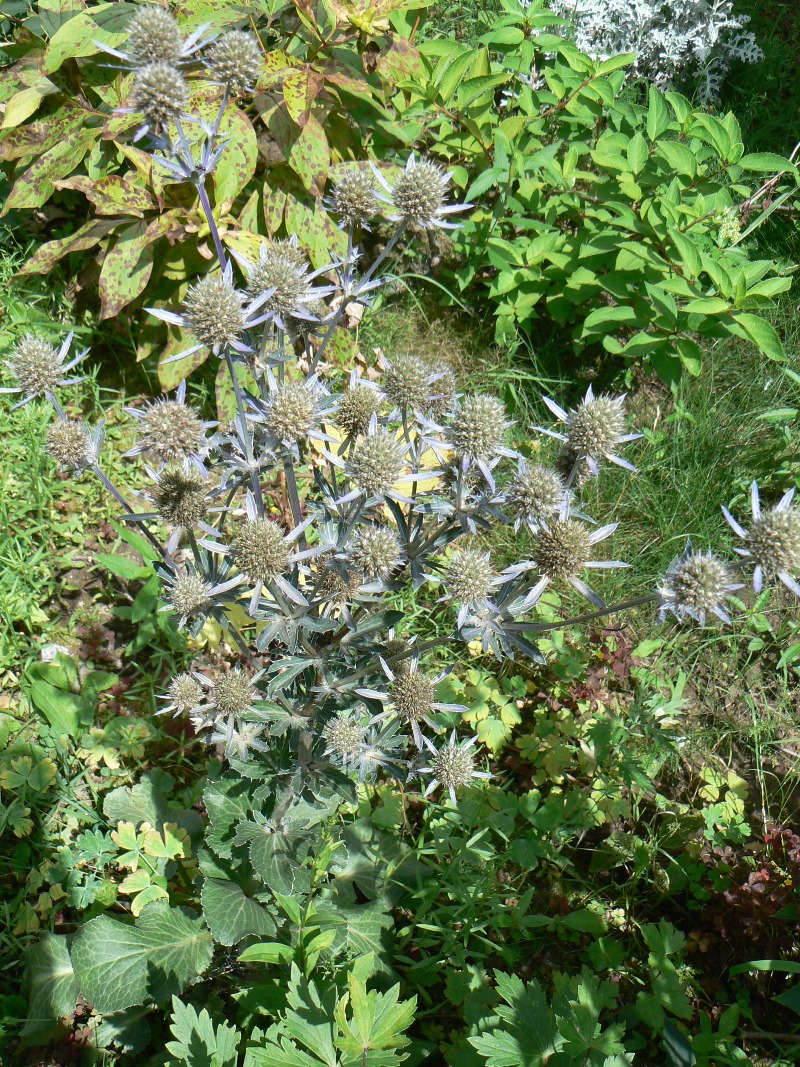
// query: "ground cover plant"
[[356, 767]]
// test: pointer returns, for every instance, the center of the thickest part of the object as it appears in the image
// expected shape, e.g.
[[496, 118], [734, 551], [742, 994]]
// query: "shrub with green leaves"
[[599, 219]]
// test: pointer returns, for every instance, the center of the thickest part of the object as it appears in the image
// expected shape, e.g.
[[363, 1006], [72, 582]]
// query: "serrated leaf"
[[51, 984], [232, 915], [199, 1041]]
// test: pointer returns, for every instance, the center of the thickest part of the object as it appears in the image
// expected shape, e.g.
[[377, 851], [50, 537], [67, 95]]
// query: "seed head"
[[478, 427], [563, 548], [406, 382], [376, 463], [394, 646], [336, 589], [469, 577], [69, 443], [172, 431], [354, 197], [260, 551], [233, 693], [180, 496], [596, 426], [419, 193], [36, 365], [535, 494], [344, 737], [412, 695], [189, 594], [154, 36], [565, 464], [184, 693], [159, 92], [375, 551], [453, 766], [696, 584], [213, 311], [282, 267], [774, 540], [235, 60], [290, 413], [356, 408]]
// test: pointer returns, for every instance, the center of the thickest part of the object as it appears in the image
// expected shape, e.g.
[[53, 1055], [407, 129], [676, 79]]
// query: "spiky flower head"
[[235, 60], [478, 427], [233, 693], [171, 430], [774, 540], [283, 268], [376, 463], [418, 194], [180, 496], [406, 382], [290, 412], [70, 444], [189, 594], [213, 311], [563, 548], [443, 388], [184, 693], [375, 551], [696, 583], [354, 197], [535, 494], [573, 468], [260, 550], [469, 577], [37, 366], [356, 407], [154, 36], [412, 694], [344, 737], [596, 425], [160, 93], [452, 766]]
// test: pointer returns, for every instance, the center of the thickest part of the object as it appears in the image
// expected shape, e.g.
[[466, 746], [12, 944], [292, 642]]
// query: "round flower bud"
[[154, 36], [335, 588], [418, 194], [356, 408], [698, 584], [563, 548], [774, 540], [595, 426], [442, 389], [260, 551], [478, 427], [70, 444], [171, 430], [213, 311], [159, 92], [535, 494], [375, 551], [344, 737], [283, 268], [184, 692], [235, 60], [565, 464], [393, 647], [36, 365], [376, 463], [453, 766], [469, 577], [189, 594], [353, 197], [406, 384], [290, 413], [233, 693], [412, 695], [180, 496]]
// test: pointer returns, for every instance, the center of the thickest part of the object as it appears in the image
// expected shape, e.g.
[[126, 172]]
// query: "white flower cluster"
[[674, 39]]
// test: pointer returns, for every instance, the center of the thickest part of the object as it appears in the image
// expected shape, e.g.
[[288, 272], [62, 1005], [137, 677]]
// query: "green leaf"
[[200, 1042], [272, 952], [62, 710], [761, 333], [232, 915], [766, 163], [529, 1037], [658, 116], [118, 965], [126, 269], [50, 983], [707, 305], [148, 801], [679, 157], [375, 1022], [77, 37]]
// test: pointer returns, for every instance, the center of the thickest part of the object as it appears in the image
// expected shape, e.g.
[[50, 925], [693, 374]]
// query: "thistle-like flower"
[[773, 541], [374, 551], [476, 433], [160, 93], [184, 695], [39, 368], [344, 738], [444, 389], [181, 496], [235, 61], [155, 37], [171, 431], [293, 410], [191, 596], [407, 382], [470, 581], [231, 706], [411, 698], [73, 444], [452, 766], [281, 280], [353, 197], [418, 195], [695, 584], [535, 495], [594, 429], [356, 406], [375, 465], [238, 742]]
